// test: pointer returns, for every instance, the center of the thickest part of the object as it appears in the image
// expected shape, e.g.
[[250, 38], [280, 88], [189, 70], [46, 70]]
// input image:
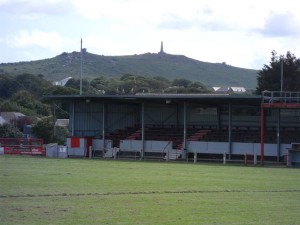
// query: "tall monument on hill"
[[161, 48]]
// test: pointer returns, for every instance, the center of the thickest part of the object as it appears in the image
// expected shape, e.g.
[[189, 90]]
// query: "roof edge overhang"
[[205, 98]]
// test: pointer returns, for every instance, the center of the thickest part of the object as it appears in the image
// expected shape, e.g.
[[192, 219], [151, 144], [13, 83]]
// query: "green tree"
[[44, 128], [86, 87], [60, 135], [61, 90], [7, 86], [181, 82], [269, 77], [36, 85], [28, 101], [101, 85], [9, 131], [159, 84], [197, 87]]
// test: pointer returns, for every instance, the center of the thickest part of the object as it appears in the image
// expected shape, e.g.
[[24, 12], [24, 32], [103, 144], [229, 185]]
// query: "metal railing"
[[280, 97]]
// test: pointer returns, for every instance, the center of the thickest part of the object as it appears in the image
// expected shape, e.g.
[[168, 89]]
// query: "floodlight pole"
[[281, 76], [81, 66]]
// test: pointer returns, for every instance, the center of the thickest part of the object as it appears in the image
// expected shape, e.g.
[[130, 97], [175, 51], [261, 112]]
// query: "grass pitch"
[[37, 190]]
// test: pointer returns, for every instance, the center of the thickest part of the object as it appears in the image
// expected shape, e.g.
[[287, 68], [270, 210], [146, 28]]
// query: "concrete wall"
[[56, 151], [98, 144], [237, 148], [150, 146], [77, 151]]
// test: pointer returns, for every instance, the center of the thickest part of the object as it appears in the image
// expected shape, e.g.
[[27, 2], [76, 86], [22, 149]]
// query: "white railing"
[[280, 97]]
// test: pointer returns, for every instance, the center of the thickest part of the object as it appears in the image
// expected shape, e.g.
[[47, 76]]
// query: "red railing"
[[22, 146]]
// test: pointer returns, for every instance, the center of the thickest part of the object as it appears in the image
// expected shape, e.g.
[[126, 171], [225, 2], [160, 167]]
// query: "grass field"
[[37, 190]]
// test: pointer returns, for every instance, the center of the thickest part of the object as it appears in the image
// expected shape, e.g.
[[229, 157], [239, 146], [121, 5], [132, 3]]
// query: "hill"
[[149, 64]]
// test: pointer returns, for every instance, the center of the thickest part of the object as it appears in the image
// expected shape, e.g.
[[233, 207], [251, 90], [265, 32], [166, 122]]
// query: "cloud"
[[34, 8], [27, 39], [281, 25], [177, 23]]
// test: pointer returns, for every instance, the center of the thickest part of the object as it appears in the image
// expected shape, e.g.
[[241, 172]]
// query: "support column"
[[262, 135], [143, 131], [73, 118], [278, 135], [103, 128], [184, 155], [229, 131], [54, 120], [219, 117]]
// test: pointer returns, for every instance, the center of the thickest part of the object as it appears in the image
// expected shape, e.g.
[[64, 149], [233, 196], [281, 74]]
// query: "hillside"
[[149, 64]]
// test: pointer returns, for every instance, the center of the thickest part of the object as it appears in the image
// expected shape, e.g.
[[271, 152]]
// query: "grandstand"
[[182, 126]]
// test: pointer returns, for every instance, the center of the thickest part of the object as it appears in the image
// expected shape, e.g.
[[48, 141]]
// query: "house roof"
[[6, 117], [62, 122], [2, 120], [226, 89], [238, 89]]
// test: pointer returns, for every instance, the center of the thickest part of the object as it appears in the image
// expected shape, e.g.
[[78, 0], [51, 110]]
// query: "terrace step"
[[173, 154], [199, 135], [109, 153]]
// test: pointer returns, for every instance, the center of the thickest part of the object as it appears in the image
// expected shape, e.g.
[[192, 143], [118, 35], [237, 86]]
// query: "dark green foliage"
[[100, 84], [36, 85], [181, 82], [44, 128], [7, 86], [10, 106], [9, 131], [24, 93], [60, 135], [75, 85], [32, 83], [269, 77], [132, 84], [60, 90], [28, 101]]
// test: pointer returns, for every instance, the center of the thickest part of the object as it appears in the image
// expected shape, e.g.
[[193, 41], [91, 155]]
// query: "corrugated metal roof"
[[145, 97]]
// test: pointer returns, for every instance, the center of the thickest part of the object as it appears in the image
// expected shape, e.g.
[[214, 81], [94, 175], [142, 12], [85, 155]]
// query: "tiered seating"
[[198, 135], [246, 135], [175, 134], [135, 136], [165, 134], [216, 135], [289, 135], [237, 135], [121, 134]]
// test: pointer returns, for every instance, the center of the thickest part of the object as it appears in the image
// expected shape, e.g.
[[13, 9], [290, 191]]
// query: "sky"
[[241, 33]]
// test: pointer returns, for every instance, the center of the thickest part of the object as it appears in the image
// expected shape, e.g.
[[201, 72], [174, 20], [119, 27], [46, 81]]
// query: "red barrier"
[[23, 146]]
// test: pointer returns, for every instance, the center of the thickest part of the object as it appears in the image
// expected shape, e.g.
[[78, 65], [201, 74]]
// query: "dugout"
[[293, 156], [178, 126], [53, 150]]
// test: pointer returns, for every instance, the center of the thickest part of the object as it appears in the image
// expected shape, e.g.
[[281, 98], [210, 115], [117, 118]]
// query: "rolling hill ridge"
[[148, 64]]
